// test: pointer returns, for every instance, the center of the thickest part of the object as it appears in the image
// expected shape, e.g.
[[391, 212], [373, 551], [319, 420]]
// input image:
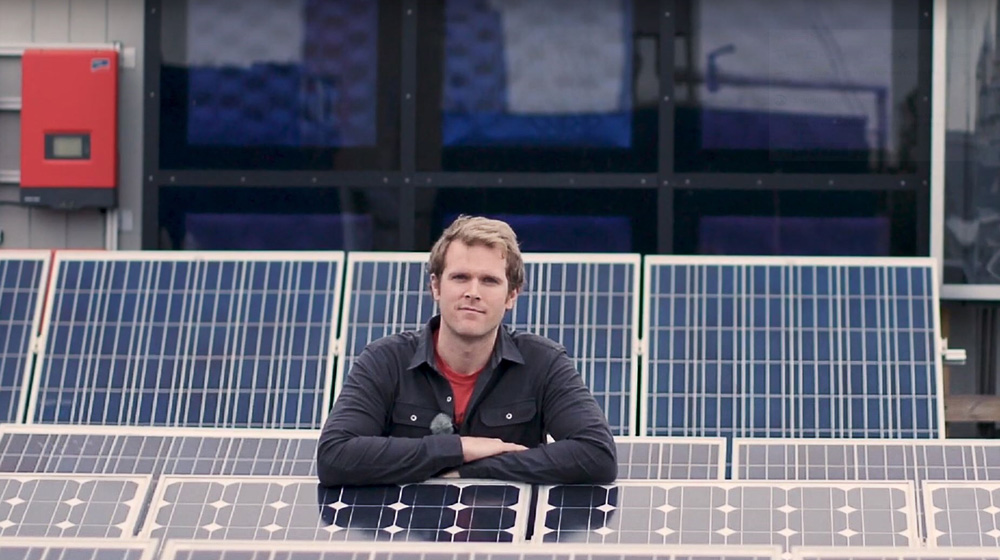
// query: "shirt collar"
[[504, 349]]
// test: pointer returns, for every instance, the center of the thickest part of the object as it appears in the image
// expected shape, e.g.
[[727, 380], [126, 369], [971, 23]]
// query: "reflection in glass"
[[764, 86], [852, 223], [972, 168], [271, 78], [528, 85], [555, 220], [279, 219]]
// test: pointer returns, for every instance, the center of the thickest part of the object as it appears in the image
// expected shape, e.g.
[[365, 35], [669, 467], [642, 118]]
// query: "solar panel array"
[[70, 506], [767, 347], [192, 550], [723, 513], [188, 339], [883, 553], [645, 458], [298, 509], [587, 303], [22, 278], [157, 451], [963, 514], [22, 548]]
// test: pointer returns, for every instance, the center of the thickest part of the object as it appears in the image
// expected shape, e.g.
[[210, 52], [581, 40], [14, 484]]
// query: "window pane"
[[302, 84], [795, 223], [537, 85], [553, 220], [279, 218], [797, 86], [972, 165]]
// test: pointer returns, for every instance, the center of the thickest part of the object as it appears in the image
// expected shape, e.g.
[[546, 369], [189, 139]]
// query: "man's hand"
[[476, 448]]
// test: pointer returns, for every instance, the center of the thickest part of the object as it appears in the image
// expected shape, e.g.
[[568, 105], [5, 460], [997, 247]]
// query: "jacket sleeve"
[[584, 449], [353, 449]]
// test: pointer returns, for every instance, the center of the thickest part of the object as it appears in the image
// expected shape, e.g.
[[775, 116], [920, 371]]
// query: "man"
[[465, 397]]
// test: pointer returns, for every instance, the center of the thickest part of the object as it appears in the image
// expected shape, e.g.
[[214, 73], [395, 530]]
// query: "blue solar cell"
[[587, 303], [297, 509], [206, 340], [22, 287], [805, 348]]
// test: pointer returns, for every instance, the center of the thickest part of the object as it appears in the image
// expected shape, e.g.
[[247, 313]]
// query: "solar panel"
[[299, 509], [587, 303], [22, 285], [188, 339], [730, 513], [21, 548], [666, 458], [157, 451], [257, 550], [962, 514], [782, 347], [882, 553], [70, 506], [873, 460]]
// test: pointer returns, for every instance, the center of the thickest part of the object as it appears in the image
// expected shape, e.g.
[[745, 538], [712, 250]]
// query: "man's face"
[[472, 290]]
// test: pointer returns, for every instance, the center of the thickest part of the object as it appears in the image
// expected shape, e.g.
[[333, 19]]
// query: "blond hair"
[[473, 231]]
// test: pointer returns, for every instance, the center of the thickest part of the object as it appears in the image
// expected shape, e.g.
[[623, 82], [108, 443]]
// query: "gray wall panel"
[[46, 229], [13, 221], [51, 22], [16, 23], [10, 140], [85, 229], [88, 21], [10, 75], [125, 24]]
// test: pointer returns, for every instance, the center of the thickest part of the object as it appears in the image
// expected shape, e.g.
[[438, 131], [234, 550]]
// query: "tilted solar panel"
[[728, 513], [871, 460], [22, 288], [23, 548], [883, 553], [188, 339], [962, 514], [783, 347], [258, 550], [47, 505], [299, 509], [670, 458], [157, 451], [587, 303]]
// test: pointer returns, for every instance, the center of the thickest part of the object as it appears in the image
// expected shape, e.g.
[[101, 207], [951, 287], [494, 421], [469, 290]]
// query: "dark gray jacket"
[[379, 431]]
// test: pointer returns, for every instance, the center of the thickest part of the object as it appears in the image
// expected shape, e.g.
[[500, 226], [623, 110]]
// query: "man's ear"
[[435, 287], [511, 297]]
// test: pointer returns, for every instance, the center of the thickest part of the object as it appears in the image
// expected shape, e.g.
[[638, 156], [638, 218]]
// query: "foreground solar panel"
[[70, 506], [299, 509], [962, 514], [256, 550], [646, 458], [15, 548], [781, 347], [730, 513], [883, 553], [587, 303], [157, 451], [188, 339], [22, 286], [873, 460]]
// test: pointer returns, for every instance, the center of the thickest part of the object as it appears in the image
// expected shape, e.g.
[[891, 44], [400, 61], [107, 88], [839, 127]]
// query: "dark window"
[[554, 85], [311, 84], [787, 86], [279, 218], [737, 222], [554, 220]]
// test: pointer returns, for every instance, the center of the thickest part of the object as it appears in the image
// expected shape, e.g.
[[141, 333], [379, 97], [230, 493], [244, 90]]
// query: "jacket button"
[[509, 416], [448, 399], [413, 418]]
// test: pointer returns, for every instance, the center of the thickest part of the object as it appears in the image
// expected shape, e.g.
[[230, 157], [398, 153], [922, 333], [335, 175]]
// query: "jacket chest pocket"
[[412, 420], [501, 416]]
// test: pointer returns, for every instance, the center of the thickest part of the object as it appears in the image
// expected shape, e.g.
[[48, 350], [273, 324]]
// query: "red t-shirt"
[[461, 385]]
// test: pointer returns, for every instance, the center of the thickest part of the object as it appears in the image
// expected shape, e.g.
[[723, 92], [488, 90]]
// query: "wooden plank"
[[972, 408]]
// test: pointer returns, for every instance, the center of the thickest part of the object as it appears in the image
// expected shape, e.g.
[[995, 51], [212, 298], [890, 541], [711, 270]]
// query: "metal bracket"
[[952, 356]]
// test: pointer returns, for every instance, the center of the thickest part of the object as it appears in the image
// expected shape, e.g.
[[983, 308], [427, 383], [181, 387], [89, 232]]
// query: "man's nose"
[[473, 291]]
